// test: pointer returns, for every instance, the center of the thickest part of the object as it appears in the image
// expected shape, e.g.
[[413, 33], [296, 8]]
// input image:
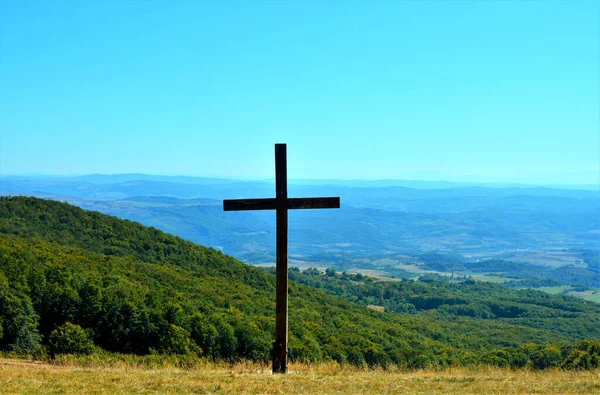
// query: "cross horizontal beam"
[[249, 204], [271, 204]]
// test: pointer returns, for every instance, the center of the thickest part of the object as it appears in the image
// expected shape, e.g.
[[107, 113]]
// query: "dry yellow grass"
[[18, 376]]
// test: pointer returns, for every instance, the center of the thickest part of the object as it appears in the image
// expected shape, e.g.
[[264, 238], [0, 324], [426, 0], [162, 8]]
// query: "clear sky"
[[397, 89]]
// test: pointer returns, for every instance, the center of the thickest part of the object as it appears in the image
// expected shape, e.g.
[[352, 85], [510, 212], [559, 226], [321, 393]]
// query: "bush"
[[177, 341], [204, 334], [356, 357], [582, 355], [545, 357], [577, 360], [495, 360], [226, 341], [253, 344], [422, 361], [70, 339]]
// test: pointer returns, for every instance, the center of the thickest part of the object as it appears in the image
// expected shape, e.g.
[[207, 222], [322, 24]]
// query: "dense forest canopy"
[[73, 280]]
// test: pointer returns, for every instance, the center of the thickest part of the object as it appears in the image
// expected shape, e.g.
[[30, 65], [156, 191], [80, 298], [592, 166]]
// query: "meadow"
[[592, 294], [72, 376]]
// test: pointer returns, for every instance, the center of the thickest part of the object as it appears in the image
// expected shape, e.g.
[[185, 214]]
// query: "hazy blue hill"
[[414, 183], [372, 219], [362, 229], [82, 189], [127, 185], [121, 178], [172, 200]]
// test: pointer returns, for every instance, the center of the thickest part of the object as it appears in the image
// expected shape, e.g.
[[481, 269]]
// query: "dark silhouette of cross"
[[281, 203]]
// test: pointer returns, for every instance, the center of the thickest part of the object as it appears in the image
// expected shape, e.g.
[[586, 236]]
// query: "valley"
[[551, 236], [77, 278]]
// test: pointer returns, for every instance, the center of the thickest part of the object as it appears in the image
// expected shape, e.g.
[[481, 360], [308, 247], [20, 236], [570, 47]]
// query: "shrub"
[[545, 357], [176, 340], [422, 361], [577, 360], [70, 339], [204, 334], [356, 357], [495, 360], [226, 341]]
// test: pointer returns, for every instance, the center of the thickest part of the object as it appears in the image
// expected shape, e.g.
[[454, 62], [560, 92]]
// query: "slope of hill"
[[451, 301], [136, 289]]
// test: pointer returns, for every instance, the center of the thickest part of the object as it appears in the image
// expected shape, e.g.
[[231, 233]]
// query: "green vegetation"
[[534, 275], [466, 220], [68, 276], [582, 275], [70, 339], [453, 300]]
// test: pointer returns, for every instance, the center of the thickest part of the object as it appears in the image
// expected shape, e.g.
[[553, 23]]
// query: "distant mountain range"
[[376, 216], [579, 180]]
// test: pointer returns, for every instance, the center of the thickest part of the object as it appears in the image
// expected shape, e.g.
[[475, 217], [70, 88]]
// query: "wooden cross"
[[281, 203]]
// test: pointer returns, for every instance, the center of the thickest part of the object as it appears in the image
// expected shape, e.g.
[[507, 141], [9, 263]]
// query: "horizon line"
[[304, 179]]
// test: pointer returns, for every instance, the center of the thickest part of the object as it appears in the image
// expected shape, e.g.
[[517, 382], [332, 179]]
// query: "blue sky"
[[489, 91]]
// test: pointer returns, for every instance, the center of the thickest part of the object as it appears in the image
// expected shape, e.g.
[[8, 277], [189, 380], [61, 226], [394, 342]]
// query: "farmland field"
[[549, 258], [18, 376], [592, 295]]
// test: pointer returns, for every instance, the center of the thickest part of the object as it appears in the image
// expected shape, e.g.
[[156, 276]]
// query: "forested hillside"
[[451, 300], [72, 280]]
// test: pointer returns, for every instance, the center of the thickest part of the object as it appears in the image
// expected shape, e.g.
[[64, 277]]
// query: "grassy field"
[[554, 290], [490, 278], [591, 295], [21, 376], [549, 258]]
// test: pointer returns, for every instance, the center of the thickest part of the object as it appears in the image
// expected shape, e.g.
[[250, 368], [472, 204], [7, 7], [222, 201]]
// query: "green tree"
[[204, 334], [176, 340], [227, 343], [70, 339], [19, 321]]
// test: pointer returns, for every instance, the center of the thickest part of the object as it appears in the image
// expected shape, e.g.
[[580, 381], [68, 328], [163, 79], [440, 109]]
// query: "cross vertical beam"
[[281, 204], [280, 348]]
